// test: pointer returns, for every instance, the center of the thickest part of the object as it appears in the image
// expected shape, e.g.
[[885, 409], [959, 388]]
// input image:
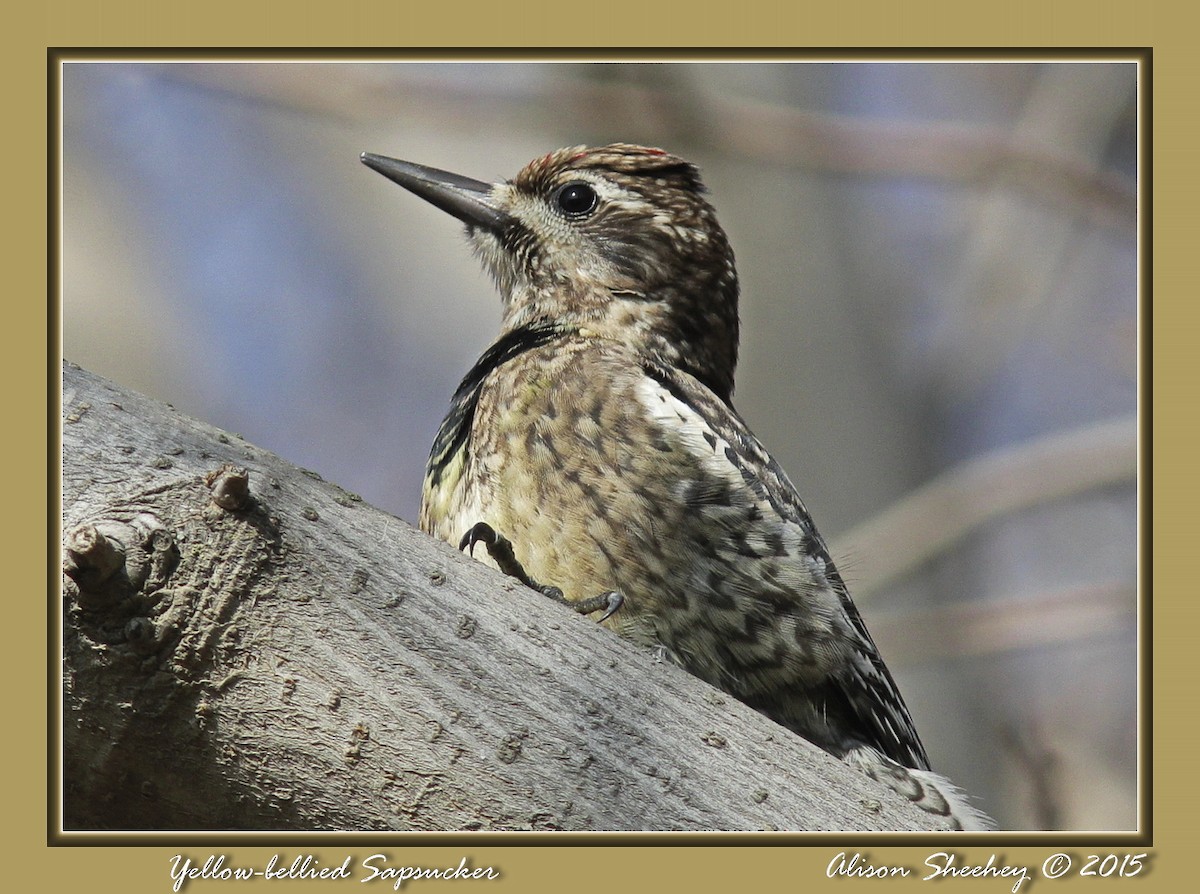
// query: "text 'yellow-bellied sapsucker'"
[[594, 447]]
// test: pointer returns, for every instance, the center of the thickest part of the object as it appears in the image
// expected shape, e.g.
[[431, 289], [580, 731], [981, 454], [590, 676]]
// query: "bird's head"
[[617, 242]]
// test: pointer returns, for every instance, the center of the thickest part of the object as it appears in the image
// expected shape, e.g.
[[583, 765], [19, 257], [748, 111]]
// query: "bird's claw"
[[499, 548], [611, 602], [501, 551], [480, 532]]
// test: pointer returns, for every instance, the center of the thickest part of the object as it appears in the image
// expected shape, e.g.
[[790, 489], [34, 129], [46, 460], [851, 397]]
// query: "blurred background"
[[939, 304]]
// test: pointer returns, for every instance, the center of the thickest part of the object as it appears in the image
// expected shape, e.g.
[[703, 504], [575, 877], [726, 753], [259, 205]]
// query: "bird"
[[595, 454]]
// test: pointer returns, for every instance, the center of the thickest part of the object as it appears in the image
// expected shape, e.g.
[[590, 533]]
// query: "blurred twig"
[[973, 629], [1042, 766], [1013, 272], [739, 127], [954, 504]]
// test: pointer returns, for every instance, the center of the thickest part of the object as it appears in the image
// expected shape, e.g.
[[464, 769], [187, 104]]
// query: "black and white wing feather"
[[822, 675]]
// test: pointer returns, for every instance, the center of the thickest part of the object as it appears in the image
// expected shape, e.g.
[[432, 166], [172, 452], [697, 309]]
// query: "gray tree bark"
[[286, 657]]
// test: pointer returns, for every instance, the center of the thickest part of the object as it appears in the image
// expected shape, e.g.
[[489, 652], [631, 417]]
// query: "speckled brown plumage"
[[598, 436]]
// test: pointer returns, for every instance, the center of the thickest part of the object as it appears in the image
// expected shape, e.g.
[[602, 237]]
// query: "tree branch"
[[286, 657]]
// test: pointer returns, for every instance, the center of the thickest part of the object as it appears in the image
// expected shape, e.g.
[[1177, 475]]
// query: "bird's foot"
[[610, 601], [499, 548], [501, 551]]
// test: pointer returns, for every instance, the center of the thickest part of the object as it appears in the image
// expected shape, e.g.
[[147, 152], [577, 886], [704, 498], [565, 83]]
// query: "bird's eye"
[[576, 200]]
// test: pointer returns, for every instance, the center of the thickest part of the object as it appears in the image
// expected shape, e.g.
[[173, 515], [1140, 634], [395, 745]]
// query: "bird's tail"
[[931, 792]]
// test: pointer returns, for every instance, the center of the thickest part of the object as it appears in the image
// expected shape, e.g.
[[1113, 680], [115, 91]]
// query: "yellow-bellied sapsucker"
[[594, 447]]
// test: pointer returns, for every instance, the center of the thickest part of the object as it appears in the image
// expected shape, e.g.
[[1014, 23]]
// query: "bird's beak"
[[469, 200]]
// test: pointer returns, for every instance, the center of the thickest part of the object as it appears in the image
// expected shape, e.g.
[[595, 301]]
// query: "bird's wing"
[[774, 553], [456, 428]]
